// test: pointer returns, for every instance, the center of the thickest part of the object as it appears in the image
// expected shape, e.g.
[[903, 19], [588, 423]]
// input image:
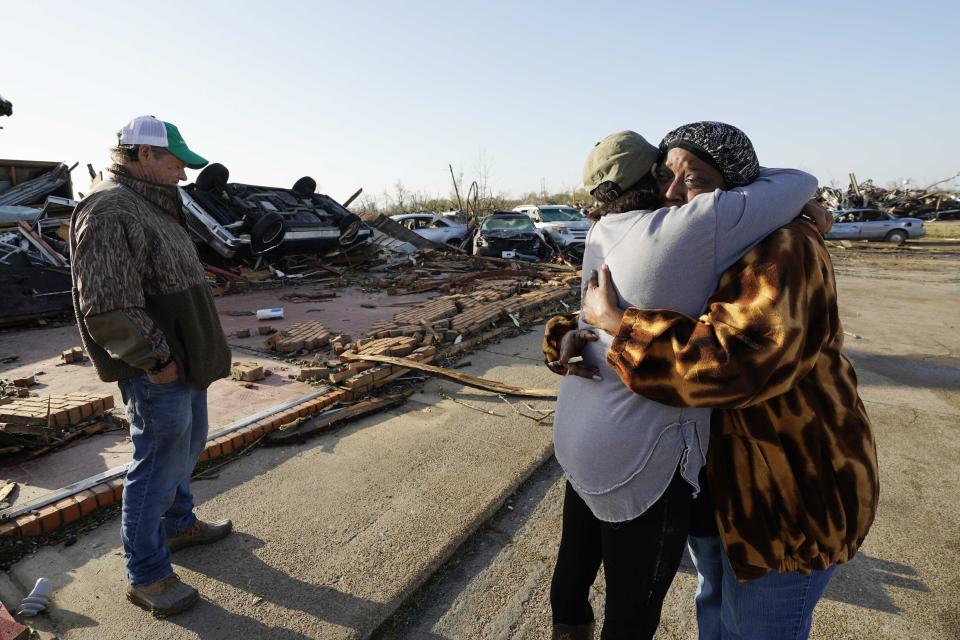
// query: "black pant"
[[640, 558]]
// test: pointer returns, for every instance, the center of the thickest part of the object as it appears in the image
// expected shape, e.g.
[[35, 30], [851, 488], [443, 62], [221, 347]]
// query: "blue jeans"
[[778, 606], [168, 426]]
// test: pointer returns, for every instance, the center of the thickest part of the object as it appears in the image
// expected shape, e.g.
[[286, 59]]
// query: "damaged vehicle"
[[442, 230], [874, 224], [564, 227], [511, 235], [243, 221]]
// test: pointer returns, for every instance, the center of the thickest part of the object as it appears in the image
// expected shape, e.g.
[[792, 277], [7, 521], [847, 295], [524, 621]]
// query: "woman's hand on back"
[[600, 304], [571, 348], [822, 218]]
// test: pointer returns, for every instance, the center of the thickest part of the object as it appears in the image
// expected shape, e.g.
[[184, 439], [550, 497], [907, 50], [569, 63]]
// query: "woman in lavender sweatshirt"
[[632, 464]]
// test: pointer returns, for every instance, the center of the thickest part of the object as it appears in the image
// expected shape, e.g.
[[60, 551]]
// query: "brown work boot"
[[200, 533], [164, 597], [573, 631]]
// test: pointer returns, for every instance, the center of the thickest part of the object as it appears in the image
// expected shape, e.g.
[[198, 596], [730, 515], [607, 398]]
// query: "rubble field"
[[308, 305]]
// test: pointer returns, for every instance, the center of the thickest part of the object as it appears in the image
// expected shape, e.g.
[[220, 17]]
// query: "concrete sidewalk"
[[333, 535]]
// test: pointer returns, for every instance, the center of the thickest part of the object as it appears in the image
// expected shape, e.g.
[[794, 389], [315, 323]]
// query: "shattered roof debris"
[[902, 201]]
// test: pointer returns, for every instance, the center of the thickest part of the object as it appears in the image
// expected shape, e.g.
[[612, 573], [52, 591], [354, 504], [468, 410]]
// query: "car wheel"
[[305, 186], [899, 236], [267, 232], [213, 178], [455, 242], [349, 225]]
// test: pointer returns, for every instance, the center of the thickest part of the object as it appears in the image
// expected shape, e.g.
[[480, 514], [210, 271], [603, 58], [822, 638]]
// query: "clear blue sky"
[[365, 94]]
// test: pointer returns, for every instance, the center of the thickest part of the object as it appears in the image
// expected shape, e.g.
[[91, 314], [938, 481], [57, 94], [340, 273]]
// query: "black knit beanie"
[[721, 145]]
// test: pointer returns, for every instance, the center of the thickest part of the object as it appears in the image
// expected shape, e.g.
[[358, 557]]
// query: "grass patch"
[[945, 229]]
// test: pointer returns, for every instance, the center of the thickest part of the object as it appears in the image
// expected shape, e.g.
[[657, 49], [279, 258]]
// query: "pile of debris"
[[929, 203], [36, 200], [247, 236], [39, 424], [467, 309]]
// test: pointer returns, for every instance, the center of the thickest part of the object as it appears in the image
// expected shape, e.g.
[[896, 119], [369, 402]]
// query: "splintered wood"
[[301, 336], [55, 411], [462, 378]]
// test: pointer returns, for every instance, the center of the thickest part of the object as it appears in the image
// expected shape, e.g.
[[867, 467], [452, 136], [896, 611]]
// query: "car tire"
[[349, 226], [267, 232], [898, 236], [305, 186], [213, 178], [455, 242]]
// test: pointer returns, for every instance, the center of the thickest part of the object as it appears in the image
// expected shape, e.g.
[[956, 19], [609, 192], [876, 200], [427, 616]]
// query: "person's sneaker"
[[164, 597], [200, 533]]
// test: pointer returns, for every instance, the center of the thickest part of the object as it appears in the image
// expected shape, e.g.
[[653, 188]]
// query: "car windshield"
[[519, 223], [559, 215]]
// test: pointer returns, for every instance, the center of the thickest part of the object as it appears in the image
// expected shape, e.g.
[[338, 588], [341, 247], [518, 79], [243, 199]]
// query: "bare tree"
[[401, 195], [483, 179]]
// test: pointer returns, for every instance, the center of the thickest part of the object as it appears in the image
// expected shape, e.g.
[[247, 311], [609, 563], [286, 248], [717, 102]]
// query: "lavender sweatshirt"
[[618, 449]]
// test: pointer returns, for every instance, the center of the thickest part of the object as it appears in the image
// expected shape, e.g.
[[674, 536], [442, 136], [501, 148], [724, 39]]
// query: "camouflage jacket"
[[792, 461], [139, 290]]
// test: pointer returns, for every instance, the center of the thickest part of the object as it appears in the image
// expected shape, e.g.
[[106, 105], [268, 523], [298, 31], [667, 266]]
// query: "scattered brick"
[[310, 373], [338, 377], [72, 355], [247, 371], [23, 383]]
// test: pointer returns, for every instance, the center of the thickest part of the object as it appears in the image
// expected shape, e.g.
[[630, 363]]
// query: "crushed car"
[[564, 227], [238, 220], [510, 235], [439, 229]]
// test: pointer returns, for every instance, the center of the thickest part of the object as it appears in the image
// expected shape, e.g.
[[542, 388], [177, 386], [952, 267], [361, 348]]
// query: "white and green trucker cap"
[[157, 133]]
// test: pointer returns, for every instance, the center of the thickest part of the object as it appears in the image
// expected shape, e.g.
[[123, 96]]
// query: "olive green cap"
[[622, 158]]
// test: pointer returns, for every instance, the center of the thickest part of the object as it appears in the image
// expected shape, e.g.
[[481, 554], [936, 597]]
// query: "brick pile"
[[397, 347], [461, 314], [303, 336], [58, 412]]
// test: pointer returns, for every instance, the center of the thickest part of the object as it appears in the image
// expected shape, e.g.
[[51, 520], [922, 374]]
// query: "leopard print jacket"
[[792, 461]]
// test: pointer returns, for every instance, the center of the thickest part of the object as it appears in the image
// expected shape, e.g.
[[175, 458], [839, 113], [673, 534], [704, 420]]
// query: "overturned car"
[[509, 234], [243, 221]]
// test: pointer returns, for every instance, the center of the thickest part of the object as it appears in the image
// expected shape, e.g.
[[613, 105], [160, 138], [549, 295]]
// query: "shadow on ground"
[[922, 371], [863, 582], [264, 583]]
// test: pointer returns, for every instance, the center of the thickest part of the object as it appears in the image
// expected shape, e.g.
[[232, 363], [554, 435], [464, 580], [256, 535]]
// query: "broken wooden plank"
[[6, 490], [462, 378], [334, 417]]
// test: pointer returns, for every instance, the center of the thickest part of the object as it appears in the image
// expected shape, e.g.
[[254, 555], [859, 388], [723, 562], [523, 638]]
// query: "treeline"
[[477, 200]]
